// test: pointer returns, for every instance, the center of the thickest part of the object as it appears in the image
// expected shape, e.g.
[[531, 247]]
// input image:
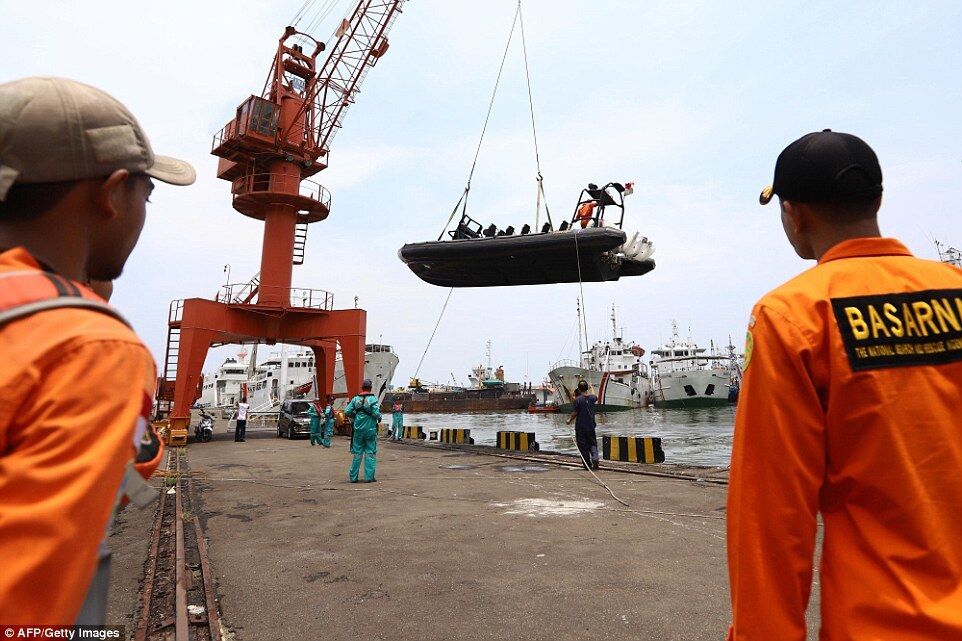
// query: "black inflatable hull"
[[532, 259]]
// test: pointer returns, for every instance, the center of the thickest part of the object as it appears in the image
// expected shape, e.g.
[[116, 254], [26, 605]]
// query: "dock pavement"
[[447, 544]]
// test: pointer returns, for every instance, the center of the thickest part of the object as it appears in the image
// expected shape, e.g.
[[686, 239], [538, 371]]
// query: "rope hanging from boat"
[[463, 201], [581, 292], [534, 132]]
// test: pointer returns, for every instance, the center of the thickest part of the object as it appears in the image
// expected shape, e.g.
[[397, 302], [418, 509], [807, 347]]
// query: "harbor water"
[[697, 436]]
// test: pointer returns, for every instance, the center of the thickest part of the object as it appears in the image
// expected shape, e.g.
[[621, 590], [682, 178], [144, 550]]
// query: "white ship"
[[683, 375], [613, 369], [223, 387], [284, 376]]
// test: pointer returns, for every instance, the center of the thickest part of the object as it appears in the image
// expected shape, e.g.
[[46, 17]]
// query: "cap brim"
[[766, 196], [172, 171]]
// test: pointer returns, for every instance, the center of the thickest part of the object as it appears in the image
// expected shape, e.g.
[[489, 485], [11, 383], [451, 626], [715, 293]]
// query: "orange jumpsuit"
[[586, 212], [73, 386], [851, 406]]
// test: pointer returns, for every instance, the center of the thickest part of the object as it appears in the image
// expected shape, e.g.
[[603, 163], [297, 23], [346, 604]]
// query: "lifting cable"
[[534, 132], [463, 201], [428, 346]]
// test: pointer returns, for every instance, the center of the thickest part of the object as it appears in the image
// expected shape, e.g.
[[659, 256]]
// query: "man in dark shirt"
[[583, 413]]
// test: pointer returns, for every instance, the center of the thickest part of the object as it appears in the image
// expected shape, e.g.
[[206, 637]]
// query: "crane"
[[269, 151]]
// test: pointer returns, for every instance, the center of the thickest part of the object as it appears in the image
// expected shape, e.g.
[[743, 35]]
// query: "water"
[[701, 436]]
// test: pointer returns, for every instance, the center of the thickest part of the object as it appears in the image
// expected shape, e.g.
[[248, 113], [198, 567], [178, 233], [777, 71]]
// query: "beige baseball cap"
[[55, 129]]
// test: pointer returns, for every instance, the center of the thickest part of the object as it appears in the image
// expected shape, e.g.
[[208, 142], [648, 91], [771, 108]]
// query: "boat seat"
[[463, 231]]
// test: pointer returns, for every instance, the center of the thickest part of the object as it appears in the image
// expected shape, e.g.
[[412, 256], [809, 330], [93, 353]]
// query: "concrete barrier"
[[456, 435], [414, 431], [518, 441], [633, 449]]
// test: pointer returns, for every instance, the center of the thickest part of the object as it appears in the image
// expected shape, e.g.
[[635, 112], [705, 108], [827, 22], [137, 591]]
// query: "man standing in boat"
[[849, 407], [583, 413]]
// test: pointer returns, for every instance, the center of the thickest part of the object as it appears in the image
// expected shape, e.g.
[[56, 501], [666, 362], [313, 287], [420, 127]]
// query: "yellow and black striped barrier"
[[633, 449], [452, 435], [520, 441], [414, 431]]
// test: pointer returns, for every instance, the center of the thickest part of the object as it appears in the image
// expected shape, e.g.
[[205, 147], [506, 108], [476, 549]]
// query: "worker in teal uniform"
[[364, 411], [397, 421], [315, 423], [328, 417]]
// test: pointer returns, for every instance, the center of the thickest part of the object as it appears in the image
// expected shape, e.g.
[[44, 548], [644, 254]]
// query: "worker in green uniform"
[[397, 421], [364, 411], [315, 423], [328, 417]]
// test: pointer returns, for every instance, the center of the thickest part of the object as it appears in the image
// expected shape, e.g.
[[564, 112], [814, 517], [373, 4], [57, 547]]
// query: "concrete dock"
[[446, 545]]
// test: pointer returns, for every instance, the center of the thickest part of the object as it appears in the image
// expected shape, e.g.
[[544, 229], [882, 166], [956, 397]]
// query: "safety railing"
[[565, 363], [234, 292], [299, 297], [225, 134], [176, 312], [263, 182]]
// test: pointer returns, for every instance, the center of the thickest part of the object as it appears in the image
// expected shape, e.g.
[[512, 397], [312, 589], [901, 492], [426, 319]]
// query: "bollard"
[[519, 441], [414, 431], [456, 435], [633, 449]]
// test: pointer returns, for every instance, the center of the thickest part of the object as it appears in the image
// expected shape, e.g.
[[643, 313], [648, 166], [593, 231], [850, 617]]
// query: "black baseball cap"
[[826, 166]]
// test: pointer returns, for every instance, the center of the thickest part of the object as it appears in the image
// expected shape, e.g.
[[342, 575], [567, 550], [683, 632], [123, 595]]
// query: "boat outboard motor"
[[526, 230], [545, 228], [490, 231], [204, 430]]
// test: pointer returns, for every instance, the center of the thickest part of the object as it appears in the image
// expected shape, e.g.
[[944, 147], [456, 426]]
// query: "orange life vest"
[[585, 212], [25, 293]]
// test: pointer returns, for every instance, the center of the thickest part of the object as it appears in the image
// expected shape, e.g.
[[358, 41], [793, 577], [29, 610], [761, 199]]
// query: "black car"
[[294, 419]]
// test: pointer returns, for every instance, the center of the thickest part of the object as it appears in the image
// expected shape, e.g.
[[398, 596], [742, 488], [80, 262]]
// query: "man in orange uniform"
[[850, 407], [76, 382]]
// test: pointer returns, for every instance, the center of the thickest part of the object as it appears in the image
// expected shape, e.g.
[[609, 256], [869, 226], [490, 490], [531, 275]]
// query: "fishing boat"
[[613, 369], [542, 408], [585, 249], [684, 375]]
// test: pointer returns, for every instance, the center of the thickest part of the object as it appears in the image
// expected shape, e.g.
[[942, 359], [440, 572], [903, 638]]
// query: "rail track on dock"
[[178, 602]]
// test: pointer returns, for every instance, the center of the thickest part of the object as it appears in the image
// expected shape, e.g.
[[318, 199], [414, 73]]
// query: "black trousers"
[[587, 444], [241, 430]]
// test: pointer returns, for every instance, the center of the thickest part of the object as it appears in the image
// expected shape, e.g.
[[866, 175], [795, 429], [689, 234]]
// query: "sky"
[[692, 101]]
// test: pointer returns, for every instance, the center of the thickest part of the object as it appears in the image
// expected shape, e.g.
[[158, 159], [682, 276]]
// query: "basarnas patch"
[[899, 330]]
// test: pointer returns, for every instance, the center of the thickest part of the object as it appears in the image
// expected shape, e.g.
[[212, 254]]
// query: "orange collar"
[[861, 247], [18, 258]]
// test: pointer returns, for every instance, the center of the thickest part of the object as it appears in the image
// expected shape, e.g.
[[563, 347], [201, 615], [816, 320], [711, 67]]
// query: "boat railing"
[[567, 362]]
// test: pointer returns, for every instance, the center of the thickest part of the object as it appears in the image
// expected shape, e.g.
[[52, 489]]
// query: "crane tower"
[[268, 152]]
